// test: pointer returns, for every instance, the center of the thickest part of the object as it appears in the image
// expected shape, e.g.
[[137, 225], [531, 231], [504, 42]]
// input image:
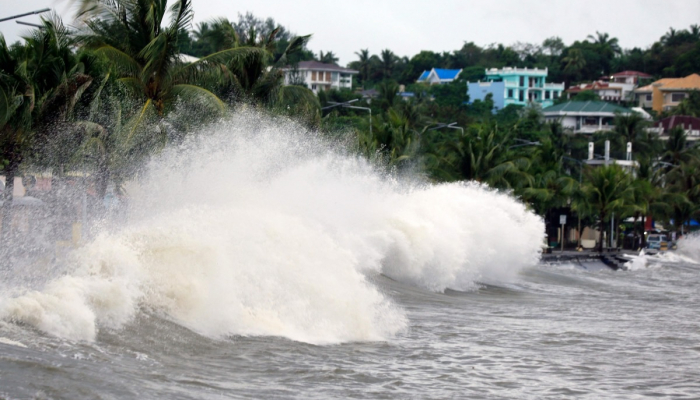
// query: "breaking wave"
[[258, 227]]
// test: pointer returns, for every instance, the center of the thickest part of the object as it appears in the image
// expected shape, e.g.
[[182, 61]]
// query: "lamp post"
[[524, 143], [43, 10], [452, 125], [346, 104]]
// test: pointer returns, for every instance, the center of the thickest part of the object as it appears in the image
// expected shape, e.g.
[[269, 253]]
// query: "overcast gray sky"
[[407, 27]]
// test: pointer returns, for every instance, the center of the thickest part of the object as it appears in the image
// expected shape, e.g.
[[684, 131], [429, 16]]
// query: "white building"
[[585, 116], [319, 76]]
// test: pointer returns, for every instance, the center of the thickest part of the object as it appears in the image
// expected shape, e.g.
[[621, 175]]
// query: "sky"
[[406, 27]]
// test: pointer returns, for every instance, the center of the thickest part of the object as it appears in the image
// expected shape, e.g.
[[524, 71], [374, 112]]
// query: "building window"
[[521, 97], [313, 87], [510, 93], [522, 81], [546, 94], [676, 97], [649, 97], [555, 94], [313, 75]]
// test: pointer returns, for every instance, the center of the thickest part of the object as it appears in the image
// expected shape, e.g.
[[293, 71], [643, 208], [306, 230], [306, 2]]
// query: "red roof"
[[685, 121], [597, 85]]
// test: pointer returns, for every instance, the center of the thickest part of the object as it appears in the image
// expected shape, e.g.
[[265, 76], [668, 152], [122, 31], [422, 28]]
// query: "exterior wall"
[[584, 122], [657, 101], [669, 101], [479, 90], [525, 85], [317, 80], [644, 100]]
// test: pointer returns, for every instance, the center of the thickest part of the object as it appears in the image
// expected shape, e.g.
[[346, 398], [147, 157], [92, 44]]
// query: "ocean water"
[[261, 261]]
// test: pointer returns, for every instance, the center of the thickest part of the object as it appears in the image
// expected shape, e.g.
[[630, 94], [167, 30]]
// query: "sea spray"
[[689, 247], [256, 227]]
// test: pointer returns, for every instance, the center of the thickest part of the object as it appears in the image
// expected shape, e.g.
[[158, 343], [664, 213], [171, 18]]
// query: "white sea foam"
[[689, 247], [260, 228]]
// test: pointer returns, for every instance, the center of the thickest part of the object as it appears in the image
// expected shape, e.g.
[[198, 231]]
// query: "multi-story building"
[[607, 91], [631, 77], [319, 76], [518, 86], [666, 93]]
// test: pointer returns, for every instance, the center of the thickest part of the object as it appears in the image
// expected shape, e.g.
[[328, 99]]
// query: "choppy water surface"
[[261, 262]]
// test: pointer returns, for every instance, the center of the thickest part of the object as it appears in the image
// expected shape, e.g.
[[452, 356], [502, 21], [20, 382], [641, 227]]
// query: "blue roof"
[[447, 73], [424, 75]]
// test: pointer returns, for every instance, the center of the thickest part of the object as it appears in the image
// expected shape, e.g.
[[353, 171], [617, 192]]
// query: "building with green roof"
[[585, 116]]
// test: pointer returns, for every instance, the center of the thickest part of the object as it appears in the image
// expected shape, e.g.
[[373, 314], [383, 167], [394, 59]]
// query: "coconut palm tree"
[[144, 54], [388, 62], [40, 83], [606, 43], [607, 189], [363, 64], [575, 62]]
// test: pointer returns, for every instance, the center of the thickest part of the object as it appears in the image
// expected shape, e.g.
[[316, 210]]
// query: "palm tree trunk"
[[7, 203], [636, 229], [600, 234]]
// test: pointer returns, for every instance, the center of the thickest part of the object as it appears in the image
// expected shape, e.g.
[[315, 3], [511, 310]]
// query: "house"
[[629, 77], [438, 76], [666, 93], [607, 91], [518, 86], [691, 126], [319, 76], [585, 116]]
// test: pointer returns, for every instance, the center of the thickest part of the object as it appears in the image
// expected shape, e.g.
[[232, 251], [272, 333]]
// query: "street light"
[[30, 24], [346, 105], [43, 10], [452, 125], [524, 143]]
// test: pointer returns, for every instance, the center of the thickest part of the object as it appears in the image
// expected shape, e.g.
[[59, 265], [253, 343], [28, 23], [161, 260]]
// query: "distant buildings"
[[439, 76], [607, 91], [666, 93], [585, 116], [319, 76], [518, 86], [629, 77]]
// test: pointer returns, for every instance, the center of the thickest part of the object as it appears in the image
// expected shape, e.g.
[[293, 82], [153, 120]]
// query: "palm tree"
[[40, 83], [607, 189], [574, 61], [606, 43], [364, 64], [327, 58], [216, 35], [388, 62], [628, 127], [144, 55]]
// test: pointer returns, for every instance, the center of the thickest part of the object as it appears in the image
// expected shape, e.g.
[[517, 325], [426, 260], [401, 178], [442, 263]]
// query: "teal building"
[[518, 86]]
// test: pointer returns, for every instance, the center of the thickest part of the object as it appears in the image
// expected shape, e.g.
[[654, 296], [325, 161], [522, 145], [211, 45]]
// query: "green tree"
[[40, 83], [607, 190]]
